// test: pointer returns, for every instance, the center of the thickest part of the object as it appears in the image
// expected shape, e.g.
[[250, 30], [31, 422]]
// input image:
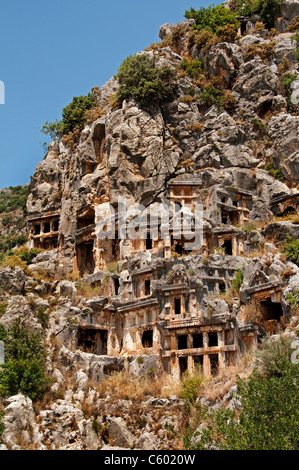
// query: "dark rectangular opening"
[[197, 340], [222, 287], [198, 360], [179, 249], [85, 258], [213, 338], [37, 229], [116, 285], [271, 310], [93, 341], [224, 218], [147, 339], [183, 364], [228, 247], [85, 222], [147, 287], [149, 242], [214, 361], [177, 306], [182, 342], [55, 225], [47, 227]]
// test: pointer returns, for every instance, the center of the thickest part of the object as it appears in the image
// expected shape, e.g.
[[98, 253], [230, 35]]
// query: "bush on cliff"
[[140, 78], [212, 18], [73, 116]]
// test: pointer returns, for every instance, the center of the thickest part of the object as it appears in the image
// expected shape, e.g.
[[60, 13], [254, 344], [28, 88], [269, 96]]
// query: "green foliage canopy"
[[73, 116], [141, 79], [269, 414], [212, 18], [291, 249], [24, 367]]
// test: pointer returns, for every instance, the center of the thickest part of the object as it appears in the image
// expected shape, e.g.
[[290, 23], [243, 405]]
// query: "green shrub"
[[293, 300], [3, 306], [28, 255], [15, 198], [213, 94], [193, 68], [268, 418], [291, 249], [238, 280], [139, 78], [286, 83], [296, 38], [212, 18], [276, 173], [191, 384], [267, 9], [24, 367], [203, 39], [73, 116], [274, 356], [1, 423]]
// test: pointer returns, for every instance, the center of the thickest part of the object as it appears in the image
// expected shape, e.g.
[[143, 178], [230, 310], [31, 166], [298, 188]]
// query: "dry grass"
[[250, 314], [87, 291], [294, 218], [227, 377], [126, 387]]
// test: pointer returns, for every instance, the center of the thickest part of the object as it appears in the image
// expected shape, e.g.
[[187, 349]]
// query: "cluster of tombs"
[[168, 315], [225, 211]]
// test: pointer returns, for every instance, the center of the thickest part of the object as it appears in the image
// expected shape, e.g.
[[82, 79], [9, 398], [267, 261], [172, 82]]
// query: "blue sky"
[[53, 50]]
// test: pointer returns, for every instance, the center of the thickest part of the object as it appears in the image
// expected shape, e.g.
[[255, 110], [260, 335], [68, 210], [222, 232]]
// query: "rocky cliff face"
[[112, 301]]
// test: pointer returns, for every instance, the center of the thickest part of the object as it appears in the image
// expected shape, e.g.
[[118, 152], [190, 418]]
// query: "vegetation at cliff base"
[[268, 416], [24, 367], [141, 79]]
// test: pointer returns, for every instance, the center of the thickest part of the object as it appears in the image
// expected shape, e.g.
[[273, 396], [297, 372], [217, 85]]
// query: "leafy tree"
[[24, 367], [139, 78], [268, 10]]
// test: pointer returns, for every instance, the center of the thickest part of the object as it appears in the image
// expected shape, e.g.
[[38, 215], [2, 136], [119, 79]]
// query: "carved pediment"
[[258, 279], [178, 277]]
